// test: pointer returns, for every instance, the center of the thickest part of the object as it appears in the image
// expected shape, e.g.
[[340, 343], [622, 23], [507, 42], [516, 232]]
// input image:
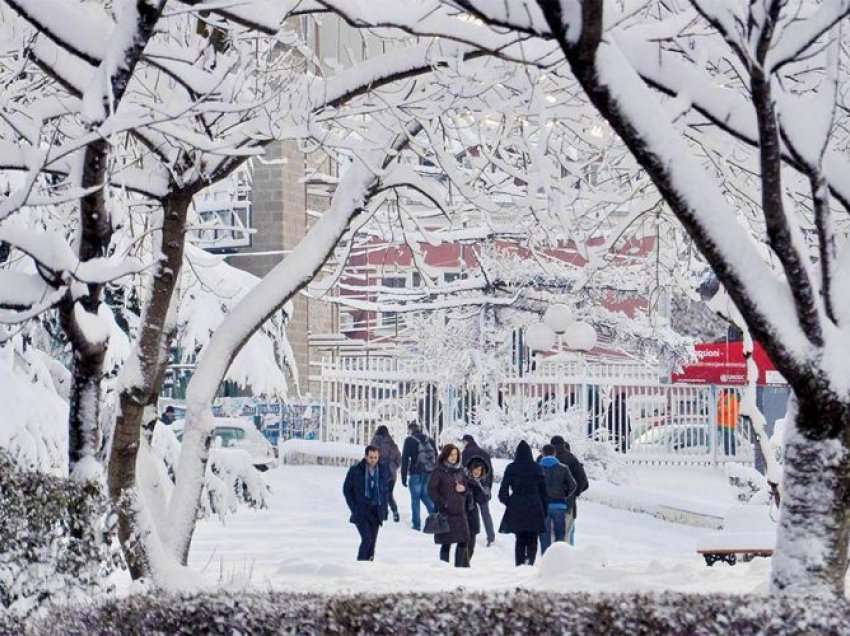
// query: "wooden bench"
[[730, 556]]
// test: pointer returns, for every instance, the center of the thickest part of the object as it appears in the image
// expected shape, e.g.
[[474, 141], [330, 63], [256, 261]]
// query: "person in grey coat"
[[390, 461]]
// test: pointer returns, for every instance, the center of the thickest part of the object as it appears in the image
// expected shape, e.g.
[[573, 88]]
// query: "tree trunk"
[[148, 363], [814, 519]]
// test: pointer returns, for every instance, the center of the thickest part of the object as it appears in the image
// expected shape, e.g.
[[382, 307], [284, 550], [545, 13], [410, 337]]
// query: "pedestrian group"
[[455, 486]]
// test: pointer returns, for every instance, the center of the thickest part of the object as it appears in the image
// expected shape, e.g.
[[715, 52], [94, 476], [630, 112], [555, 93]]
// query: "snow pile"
[[517, 612], [302, 451], [34, 427], [41, 559]]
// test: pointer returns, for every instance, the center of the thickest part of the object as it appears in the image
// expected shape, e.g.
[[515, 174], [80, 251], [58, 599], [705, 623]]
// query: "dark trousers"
[[461, 556], [392, 502], [525, 550], [368, 526], [470, 549], [727, 434]]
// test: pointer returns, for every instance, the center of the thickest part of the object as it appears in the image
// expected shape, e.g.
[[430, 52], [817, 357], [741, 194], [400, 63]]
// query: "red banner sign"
[[723, 363]]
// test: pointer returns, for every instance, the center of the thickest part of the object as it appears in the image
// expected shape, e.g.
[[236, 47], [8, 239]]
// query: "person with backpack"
[[390, 462], [523, 492], [566, 457], [471, 451], [560, 488], [418, 460]]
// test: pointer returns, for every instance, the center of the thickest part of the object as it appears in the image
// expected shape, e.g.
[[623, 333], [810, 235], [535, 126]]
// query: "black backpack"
[[426, 456]]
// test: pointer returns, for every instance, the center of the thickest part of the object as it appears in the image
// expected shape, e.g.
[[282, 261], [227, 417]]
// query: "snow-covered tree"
[[766, 79]]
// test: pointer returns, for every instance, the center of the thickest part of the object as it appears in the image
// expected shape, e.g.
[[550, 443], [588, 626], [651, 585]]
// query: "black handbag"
[[436, 523]]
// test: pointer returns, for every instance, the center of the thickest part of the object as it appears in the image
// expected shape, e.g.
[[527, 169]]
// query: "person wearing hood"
[[523, 492], [566, 457], [390, 462], [471, 450], [476, 500], [448, 489], [560, 488]]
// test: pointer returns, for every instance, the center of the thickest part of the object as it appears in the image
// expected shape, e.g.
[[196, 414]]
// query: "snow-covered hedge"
[[53, 544], [459, 612]]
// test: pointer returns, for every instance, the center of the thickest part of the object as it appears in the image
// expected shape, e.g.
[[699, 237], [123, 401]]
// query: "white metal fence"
[[625, 405]]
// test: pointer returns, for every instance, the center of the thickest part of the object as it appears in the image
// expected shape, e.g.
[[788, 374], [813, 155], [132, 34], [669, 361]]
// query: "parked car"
[[687, 439], [234, 432]]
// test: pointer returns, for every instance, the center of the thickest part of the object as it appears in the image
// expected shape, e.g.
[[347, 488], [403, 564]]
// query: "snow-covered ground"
[[305, 543]]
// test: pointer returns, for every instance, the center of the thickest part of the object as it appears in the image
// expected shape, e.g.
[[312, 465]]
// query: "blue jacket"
[[354, 490]]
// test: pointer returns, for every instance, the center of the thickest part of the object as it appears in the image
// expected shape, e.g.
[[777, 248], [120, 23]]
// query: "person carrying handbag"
[[448, 490]]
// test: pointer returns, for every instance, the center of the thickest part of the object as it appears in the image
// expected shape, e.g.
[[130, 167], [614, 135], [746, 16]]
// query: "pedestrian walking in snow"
[[560, 488], [477, 498], [365, 491], [471, 451], [448, 488], [728, 411], [523, 492], [418, 460], [390, 462], [566, 457]]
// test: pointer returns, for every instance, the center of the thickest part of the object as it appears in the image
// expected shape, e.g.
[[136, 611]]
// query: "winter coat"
[[560, 485], [523, 492], [410, 454], [354, 490], [576, 470], [441, 489], [477, 495], [390, 454], [473, 451], [619, 423]]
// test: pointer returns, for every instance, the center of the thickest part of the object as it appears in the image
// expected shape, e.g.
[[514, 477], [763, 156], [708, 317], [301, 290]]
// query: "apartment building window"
[[391, 319]]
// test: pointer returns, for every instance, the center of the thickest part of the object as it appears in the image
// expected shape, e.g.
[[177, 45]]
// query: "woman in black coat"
[[448, 488], [523, 492]]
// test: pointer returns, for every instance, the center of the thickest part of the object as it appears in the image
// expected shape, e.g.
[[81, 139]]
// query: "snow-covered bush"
[[458, 612], [751, 484], [55, 546], [34, 429], [499, 434], [231, 478]]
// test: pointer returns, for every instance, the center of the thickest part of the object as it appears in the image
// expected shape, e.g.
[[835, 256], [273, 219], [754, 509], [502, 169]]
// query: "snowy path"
[[305, 543]]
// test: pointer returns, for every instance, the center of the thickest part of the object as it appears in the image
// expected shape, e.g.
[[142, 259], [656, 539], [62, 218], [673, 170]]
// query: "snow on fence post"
[[712, 421]]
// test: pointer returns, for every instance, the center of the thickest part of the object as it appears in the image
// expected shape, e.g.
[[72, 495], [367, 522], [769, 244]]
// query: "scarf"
[[373, 492]]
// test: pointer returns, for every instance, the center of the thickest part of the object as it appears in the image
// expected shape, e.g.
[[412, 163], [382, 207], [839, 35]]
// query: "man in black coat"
[[471, 451], [366, 491], [565, 456]]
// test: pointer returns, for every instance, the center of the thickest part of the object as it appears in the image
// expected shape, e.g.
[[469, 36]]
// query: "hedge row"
[[460, 612]]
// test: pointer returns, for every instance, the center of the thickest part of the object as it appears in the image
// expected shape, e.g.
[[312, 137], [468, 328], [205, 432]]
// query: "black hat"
[[557, 440], [467, 438]]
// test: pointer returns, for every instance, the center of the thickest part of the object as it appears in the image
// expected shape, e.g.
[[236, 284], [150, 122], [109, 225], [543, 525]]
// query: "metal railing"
[[625, 405]]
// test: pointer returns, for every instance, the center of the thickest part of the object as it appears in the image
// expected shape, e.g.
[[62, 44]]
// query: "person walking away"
[[390, 462], [418, 460], [566, 457], [560, 488], [728, 410], [448, 489], [471, 451], [478, 495], [365, 491], [523, 492]]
